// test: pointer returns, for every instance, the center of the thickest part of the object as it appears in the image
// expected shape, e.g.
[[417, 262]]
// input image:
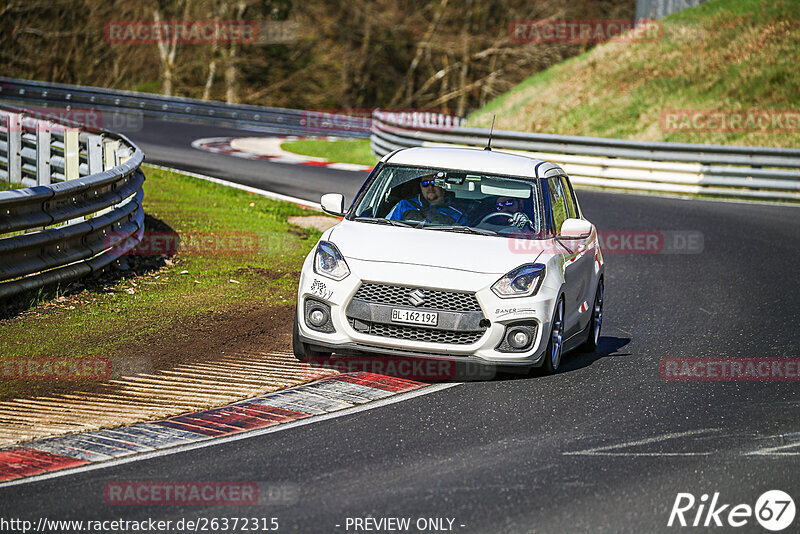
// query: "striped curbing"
[[154, 394], [319, 398], [269, 149]]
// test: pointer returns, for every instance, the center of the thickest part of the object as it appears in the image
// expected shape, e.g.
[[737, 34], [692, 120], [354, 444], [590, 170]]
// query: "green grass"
[[341, 151], [723, 55], [154, 301], [149, 86], [8, 186]]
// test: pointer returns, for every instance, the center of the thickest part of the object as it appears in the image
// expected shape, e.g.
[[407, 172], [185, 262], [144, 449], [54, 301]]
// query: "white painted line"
[[262, 192], [349, 167], [288, 159], [198, 143], [212, 441], [243, 155]]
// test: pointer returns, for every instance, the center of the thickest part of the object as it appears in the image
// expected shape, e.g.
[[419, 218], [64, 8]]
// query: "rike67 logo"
[[774, 510]]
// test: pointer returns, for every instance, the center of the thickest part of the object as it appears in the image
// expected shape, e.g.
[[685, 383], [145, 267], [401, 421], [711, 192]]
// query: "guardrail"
[[719, 170], [268, 119], [83, 209]]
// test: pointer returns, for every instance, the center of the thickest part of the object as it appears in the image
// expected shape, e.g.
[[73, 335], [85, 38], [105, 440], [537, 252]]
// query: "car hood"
[[434, 248]]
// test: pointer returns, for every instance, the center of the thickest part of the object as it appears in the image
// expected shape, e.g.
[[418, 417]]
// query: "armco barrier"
[[725, 170], [273, 120], [83, 187]]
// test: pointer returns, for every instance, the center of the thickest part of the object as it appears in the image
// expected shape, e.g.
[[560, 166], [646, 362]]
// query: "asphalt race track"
[[604, 445]]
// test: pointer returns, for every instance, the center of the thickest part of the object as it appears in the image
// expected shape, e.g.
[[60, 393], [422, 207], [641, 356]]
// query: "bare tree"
[[168, 49], [349, 53]]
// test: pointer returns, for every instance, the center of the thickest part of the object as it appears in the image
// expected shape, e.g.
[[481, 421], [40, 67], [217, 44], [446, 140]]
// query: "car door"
[[578, 260]]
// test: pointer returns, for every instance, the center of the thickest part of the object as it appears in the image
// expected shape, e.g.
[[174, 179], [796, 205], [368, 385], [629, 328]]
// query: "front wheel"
[[303, 351], [555, 345]]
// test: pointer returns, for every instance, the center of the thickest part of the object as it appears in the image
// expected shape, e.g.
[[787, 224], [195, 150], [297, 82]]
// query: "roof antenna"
[[489, 144]]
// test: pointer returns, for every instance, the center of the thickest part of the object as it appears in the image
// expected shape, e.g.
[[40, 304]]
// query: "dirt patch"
[[209, 336], [319, 222], [203, 337], [272, 274]]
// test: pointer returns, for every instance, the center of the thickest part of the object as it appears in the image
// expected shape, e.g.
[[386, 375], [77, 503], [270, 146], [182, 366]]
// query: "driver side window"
[[572, 212], [558, 202]]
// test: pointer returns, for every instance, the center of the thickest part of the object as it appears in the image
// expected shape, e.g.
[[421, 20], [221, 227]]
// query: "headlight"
[[329, 262], [524, 281]]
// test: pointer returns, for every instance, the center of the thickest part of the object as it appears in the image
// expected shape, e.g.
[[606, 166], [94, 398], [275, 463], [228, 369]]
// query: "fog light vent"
[[518, 337], [318, 316]]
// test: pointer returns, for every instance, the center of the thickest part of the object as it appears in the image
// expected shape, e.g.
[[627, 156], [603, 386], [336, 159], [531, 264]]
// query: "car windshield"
[[453, 201]]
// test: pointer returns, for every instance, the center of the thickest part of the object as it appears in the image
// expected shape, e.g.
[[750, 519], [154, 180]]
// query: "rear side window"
[[558, 202]]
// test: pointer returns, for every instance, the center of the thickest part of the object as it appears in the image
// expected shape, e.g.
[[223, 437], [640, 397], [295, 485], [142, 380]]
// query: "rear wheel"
[[596, 321], [555, 345], [303, 351]]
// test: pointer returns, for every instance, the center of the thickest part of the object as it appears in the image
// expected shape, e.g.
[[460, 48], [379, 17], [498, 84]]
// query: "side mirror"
[[576, 229], [333, 203]]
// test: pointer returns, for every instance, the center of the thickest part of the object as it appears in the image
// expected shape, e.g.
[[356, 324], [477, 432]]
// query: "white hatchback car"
[[454, 253]]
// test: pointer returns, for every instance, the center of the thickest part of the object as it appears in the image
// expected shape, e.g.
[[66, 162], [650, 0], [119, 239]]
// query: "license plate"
[[415, 317]]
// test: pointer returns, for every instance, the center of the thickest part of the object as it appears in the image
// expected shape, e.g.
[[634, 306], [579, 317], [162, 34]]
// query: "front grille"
[[433, 299], [415, 333]]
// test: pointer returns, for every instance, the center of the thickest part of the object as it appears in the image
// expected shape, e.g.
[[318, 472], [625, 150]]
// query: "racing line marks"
[[784, 449], [613, 450], [677, 443]]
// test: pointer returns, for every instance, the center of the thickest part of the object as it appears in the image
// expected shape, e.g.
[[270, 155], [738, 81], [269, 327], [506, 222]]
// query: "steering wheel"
[[508, 216]]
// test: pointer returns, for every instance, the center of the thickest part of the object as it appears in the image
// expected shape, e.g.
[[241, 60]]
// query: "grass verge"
[[723, 55], [8, 186], [341, 151], [237, 252]]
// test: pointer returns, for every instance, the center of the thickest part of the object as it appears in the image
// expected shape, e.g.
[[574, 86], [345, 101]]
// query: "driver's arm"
[[463, 219], [399, 210]]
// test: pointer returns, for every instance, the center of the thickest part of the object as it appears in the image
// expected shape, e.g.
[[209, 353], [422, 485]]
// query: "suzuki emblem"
[[416, 297]]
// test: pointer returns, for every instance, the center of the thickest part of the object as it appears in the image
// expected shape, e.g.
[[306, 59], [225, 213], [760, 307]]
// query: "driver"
[[432, 205], [516, 208]]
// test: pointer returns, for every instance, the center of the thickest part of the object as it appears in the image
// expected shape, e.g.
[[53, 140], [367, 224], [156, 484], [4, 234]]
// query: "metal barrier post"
[[94, 158], [14, 146], [123, 154], [42, 153], [110, 148], [72, 160], [94, 153], [71, 154]]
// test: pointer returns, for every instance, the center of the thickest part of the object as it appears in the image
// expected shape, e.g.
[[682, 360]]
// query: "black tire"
[[303, 351], [555, 342], [596, 320]]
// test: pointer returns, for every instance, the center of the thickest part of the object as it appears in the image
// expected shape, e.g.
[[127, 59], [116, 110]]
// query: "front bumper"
[[472, 336]]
